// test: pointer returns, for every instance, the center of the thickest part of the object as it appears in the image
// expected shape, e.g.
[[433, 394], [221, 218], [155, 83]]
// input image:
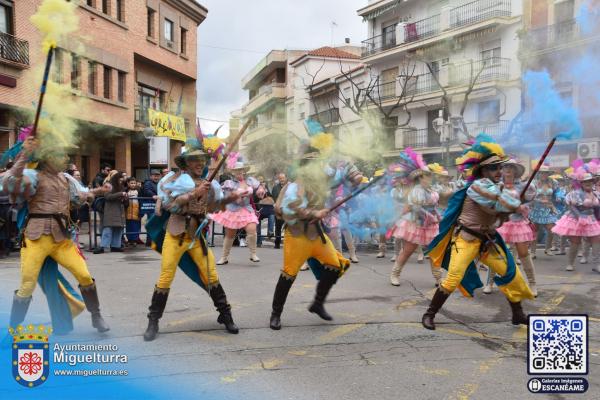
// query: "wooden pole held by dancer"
[[230, 147], [537, 168], [38, 111]]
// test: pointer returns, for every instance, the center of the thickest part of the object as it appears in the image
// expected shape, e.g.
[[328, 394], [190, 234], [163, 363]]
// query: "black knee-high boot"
[[155, 312], [90, 298], [328, 279], [19, 309], [281, 291], [219, 298], [518, 316], [438, 300]]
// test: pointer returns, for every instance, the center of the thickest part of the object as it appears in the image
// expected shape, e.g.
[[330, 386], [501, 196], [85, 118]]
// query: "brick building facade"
[[128, 56]]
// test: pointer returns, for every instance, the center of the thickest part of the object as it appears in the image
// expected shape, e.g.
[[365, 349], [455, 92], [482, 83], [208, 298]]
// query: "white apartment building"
[[419, 49], [315, 94], [268, 85]]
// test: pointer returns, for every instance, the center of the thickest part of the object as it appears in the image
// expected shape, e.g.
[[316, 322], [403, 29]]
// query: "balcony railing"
[[557, 34], [419, 84], [14, 49], [428, 137], [478, 11], [384, 91], [468, 14], [422, 29], [489, 69], [379, 43], [327, 117]]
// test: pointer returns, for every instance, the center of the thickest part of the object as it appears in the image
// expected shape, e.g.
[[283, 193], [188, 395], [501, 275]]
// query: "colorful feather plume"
[[482, 147], [233, 159]]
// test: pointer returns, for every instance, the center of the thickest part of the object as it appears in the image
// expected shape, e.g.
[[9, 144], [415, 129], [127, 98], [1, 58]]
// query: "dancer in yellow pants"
[[467, 232], [183, 236], [48, 193]]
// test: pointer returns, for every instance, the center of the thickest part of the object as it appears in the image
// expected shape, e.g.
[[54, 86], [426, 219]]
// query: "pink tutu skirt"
[[235, 219], [584, 226], [411, 232], [516, 232]]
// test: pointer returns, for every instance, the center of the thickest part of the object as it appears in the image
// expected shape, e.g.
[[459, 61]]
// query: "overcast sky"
[[249, 29]]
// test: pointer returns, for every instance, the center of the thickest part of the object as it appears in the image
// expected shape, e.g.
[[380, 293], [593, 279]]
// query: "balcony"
[[327, 117], [262, 130], [429, 138], [384, 91], [489, 69], [556, 35], [420, 84], [478, 11], [414, 31], [263, 99], [407, 35], [14, 50]]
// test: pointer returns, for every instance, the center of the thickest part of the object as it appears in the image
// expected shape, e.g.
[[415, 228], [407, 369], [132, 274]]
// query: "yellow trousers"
[[463, 252], [65, 253], [172, 253], [298, 249]]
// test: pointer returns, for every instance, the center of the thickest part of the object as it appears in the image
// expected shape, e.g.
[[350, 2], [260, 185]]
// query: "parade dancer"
[[543, 210], [177, 234], [562, 189], [45, 194], [580, 221], [467, 232], [419, 224], [517, 231], [301, 205], [240, 214], [399, 194], [336, 231]]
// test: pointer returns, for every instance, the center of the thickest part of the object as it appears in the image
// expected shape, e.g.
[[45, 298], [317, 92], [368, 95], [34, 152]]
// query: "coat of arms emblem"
[[30, 354]]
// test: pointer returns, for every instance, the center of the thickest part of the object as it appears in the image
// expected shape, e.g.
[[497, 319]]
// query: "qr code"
[[557, 344]]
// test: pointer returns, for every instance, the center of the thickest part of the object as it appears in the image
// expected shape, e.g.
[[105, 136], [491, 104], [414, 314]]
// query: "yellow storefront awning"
[[167, 125]]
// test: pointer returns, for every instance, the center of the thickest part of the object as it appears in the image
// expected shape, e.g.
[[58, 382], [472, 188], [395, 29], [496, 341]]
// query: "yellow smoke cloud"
[[55, 19]]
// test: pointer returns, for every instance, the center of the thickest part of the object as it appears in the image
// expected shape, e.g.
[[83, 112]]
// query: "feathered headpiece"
[[436, 168], [594, 167], [319, 140], [483, 151], [409, 167], [579, 171]]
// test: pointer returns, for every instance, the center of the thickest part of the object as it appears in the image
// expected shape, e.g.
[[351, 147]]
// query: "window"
[[488, 112], [75, 71], [106, 6], [151, 13], [107, 82], [183, 41], [121, 87], [147, 98], [388, 34], [168, 30], [92, 77], [6, 18], [91, 3], [58, 66], [491, 57], [120, 11]]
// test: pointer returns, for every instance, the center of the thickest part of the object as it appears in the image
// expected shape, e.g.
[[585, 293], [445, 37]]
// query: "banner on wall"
[[167, 125]]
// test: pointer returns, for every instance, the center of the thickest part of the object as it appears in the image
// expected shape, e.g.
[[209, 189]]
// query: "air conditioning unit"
[[588, 150]]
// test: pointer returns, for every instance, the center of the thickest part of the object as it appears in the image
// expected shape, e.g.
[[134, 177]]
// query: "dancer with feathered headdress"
[[468, 232], [419, 223], [580, 221]]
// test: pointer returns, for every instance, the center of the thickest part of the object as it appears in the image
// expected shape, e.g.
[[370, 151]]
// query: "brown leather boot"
[[438, 300]]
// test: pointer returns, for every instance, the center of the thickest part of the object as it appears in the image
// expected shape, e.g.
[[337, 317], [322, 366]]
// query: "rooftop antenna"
[[333, 26]]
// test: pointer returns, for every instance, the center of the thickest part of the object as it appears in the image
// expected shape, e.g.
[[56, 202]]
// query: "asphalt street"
[[374, 349]]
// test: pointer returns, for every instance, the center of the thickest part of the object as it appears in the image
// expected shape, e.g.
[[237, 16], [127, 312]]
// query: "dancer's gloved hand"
[[321, 213]]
